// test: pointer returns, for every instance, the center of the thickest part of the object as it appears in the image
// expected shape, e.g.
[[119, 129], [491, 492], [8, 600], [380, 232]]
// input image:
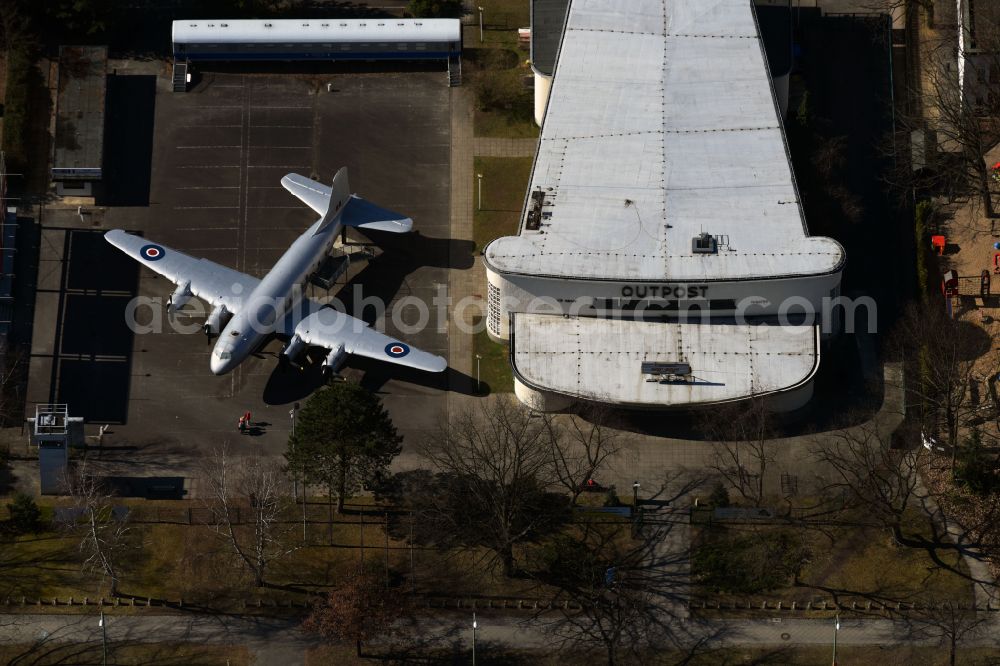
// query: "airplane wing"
[[207, 280], [325, 327], [358, 212]]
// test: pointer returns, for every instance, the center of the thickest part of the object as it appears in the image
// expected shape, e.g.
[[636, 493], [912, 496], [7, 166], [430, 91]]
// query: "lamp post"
[[479, 205], [475, 626], [836, 630], [479, 385], [635, 495], [104, 640], [480, 25]]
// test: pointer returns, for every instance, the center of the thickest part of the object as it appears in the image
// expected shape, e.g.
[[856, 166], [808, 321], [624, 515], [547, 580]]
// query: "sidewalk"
[[499, 147], [280, 642]]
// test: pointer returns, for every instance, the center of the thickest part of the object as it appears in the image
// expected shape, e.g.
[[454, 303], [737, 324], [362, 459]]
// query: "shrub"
[[25, 515], [976, 468], [719, 496], [748, 563], [922, 215], [20, 62], [436, 8]]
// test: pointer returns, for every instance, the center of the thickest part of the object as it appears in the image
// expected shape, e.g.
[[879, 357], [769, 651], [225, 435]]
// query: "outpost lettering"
[[679, 291]]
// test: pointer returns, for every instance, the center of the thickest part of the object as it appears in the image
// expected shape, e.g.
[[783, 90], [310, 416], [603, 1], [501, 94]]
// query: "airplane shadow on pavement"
[[288, 384]]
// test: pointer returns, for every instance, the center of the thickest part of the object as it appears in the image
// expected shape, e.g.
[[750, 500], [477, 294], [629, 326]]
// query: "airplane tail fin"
[[337, 200], [340, 194]]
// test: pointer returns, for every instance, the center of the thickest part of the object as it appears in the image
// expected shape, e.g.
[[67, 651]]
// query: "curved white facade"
[[543, 84]]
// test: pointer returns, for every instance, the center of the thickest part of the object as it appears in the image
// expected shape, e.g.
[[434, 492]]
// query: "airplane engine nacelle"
[[294, 347], [216, 320], [334, 360], [182, 294]]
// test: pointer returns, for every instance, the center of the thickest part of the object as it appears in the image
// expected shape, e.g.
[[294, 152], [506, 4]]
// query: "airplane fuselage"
[[278, 292]]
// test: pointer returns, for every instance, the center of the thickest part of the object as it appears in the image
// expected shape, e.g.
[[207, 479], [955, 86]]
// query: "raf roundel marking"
[[151, 252], [396, 350]]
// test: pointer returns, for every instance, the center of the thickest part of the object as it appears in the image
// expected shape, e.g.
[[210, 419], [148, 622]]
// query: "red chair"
[[938, 243]]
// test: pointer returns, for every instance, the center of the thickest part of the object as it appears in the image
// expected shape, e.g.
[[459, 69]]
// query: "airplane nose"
[[218, 366]]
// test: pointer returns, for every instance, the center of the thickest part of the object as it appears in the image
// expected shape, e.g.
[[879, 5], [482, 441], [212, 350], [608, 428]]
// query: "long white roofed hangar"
[[662, 232]]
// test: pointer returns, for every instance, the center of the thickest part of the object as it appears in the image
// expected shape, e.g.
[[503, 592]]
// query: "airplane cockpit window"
[[224, 355]]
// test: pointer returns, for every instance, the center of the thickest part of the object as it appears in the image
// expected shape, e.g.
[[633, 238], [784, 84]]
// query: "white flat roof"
[[298, 31], [601, 359], [661, 124]]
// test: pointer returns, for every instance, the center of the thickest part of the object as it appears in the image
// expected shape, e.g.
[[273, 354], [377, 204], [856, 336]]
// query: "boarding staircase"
[[454, 71], [332, 268], [180, 76]]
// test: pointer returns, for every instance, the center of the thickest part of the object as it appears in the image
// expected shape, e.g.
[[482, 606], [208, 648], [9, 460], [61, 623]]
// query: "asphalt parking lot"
[[218, 154]]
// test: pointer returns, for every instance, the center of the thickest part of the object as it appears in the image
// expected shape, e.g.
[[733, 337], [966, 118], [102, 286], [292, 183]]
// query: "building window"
[[493, 307]]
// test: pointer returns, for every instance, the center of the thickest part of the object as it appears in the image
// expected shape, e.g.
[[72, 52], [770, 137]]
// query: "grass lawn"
[[172, 560], [509, 14], [495, 372], [505, 181], [514, 117], [175, 561], [497, 69], [852, 563], [162, 654]]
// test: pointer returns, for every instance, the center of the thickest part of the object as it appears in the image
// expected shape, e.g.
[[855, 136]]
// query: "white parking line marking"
[[205, 228], [263, 146], [263, 106], [277, 166], [208, 126], [275, 126]]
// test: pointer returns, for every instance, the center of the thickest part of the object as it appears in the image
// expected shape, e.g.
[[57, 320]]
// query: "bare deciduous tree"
[[949, 622], [959, 115], [495, 474], [247, 496], [581, 447], [742, 451], [101, 527], [945, 353], [869, 473], [622, 595]]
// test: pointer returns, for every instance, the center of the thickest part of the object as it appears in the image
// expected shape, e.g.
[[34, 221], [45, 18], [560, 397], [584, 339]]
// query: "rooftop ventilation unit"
[[535, 210], [666, 372], [704, 244]]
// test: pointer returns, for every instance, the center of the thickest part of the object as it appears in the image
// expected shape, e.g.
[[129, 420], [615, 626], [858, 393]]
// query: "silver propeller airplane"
[[248, 311]]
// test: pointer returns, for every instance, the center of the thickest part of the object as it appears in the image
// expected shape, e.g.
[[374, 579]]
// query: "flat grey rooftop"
[[662, 125], [79, 140], [601, 359]]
